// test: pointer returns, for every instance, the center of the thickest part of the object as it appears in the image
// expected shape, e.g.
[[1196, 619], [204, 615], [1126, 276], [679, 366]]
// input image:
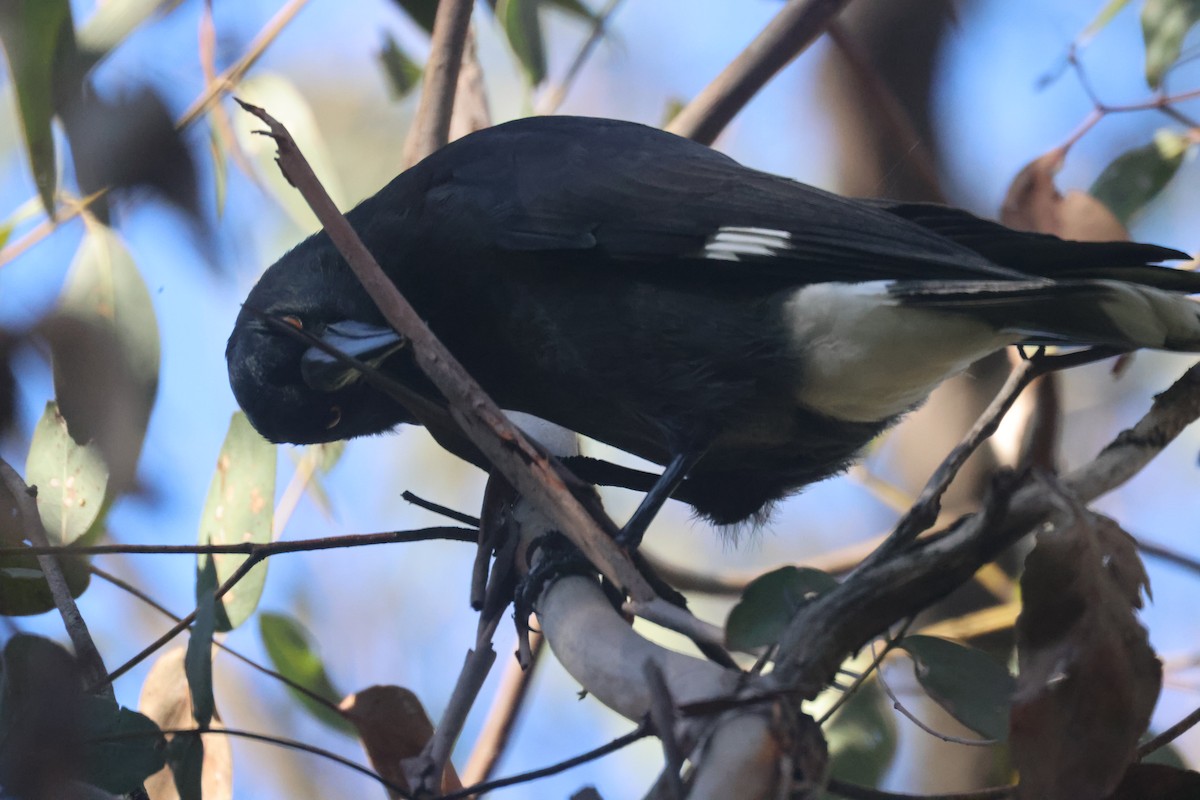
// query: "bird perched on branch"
[[748, 332]]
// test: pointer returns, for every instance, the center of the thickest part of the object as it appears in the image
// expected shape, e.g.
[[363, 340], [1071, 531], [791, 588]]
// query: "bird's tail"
[[1111, 313]]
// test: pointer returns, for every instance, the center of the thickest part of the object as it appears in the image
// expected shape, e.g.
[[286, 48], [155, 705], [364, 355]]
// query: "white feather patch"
[[730, 242], [865, 356]]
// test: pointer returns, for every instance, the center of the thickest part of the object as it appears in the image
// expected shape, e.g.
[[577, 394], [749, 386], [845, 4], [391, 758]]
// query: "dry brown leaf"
[[1033, 203], [1088, 678], [166, 699], [393, 727]]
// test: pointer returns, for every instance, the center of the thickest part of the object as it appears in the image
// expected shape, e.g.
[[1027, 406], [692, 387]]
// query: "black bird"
[[748, 331]]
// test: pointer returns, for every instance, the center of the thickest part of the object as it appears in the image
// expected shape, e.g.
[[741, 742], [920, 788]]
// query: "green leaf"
[[1137, 176], [239, 509], [1165, 23], [294, 654], [38, 37], [23, 587], [104, 343], [197, 663], [71, 479], [185, 755], [402, 72], [123, 747], [1110, 10], [523, 29], [574, 8], [422, 12], [972, 686], [861, 737], [770, 602]]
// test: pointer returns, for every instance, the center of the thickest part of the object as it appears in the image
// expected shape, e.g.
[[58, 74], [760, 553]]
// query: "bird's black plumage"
[[654, 294]]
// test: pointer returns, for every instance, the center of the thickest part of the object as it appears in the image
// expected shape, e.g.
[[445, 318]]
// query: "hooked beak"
[[370, 344]]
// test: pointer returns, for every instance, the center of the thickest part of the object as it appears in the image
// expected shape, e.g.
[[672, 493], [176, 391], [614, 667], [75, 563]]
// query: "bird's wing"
[[629, 194]]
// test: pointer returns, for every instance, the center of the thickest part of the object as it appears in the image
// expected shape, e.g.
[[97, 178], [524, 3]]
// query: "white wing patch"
[[730, 243]]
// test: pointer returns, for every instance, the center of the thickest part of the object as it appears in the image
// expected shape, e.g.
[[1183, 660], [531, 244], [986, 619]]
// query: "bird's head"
[[290, 389]]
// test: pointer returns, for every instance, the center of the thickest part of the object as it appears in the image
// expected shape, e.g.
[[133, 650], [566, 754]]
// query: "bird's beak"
[[369, 344]]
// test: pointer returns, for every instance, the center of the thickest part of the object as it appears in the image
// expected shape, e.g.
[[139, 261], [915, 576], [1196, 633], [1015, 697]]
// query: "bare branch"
[[788, 35], [524, 465], [230, 77], [553, 97], [502, 716], [883, 591], [257, 549], [431, 128], [23, 498]]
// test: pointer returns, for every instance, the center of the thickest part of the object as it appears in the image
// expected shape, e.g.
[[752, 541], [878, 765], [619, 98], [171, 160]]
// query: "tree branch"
[[89, 657], [791, 32], [525, 466], [431, 128]]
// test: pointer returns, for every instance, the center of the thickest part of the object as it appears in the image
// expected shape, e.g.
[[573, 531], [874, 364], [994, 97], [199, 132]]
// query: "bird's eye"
[[335, 416], [294, 321]]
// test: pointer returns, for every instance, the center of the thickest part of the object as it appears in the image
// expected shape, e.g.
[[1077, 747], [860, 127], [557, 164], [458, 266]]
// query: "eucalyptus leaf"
[[71, 479], [1137, 176], [969, 684], [239, 509], [294, 654], [38, 38], [770, 602], [1165, 23]]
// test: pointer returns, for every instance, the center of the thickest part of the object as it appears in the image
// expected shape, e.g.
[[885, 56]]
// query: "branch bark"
[[431, 128], [788, 35]]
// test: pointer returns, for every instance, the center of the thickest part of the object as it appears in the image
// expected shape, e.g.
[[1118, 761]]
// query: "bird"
[[748, 332]]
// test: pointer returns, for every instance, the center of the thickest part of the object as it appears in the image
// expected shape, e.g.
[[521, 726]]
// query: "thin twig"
[[638, 733], [258, 549], [431, 763], [553, 97], [24, 498], [786, 36], [436, 508], [925, 510], [843, 619], [252, 560], [230, 77], [662, 716], [876, 660], [525, 466], [280, 741], [431, 127], [150, 601], [1169, 735], [1167, 554], [507, 703], [911, 717]]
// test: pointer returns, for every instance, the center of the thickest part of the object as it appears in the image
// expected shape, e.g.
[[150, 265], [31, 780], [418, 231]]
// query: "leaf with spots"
[[240, 506], [70, 478]]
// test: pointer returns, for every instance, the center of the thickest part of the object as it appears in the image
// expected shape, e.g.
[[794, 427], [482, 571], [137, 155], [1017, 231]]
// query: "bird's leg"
[[675, 473]]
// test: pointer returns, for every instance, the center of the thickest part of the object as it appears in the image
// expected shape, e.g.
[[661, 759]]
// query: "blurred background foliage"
[[137, 207]]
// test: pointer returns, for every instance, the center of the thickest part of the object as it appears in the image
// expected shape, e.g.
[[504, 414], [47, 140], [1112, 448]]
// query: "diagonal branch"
[[431, 128], [786, 36], [883, 592], [532, 472]]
